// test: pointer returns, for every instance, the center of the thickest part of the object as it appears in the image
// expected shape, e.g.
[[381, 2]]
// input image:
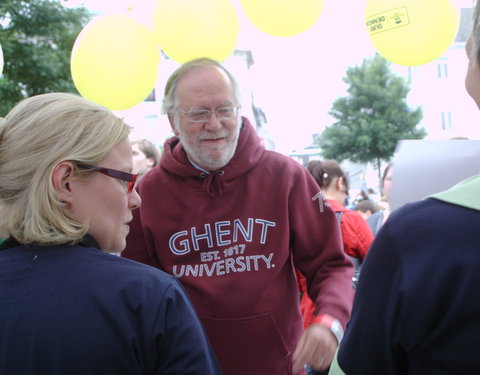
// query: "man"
[[146, 155], [232, 221], [416, 308]]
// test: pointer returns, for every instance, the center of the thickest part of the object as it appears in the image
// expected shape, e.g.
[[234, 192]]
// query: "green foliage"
[[37, 37], [372, 118]]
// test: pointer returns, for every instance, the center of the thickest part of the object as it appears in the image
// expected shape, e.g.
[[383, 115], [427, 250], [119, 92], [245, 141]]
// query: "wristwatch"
[[331, 323]]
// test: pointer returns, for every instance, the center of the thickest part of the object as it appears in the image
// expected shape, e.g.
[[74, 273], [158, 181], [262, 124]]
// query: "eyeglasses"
[[119, 175], [202, 115]]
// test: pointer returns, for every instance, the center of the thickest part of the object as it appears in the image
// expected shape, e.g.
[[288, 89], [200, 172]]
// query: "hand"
[[316, 347]]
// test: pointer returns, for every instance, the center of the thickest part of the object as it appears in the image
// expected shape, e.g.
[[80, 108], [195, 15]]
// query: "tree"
[[372, 118], [37, 37]]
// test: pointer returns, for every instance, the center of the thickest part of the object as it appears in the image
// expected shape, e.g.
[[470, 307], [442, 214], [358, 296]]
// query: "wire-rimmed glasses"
[[203, 115]]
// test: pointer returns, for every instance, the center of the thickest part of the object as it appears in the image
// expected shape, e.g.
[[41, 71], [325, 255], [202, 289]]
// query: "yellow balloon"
[[283, 17], [1, 60], [411, 32], [115, 61], [187, 29]]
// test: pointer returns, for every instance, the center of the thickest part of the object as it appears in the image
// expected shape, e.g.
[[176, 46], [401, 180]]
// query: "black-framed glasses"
[[202, 115], [119, 175]]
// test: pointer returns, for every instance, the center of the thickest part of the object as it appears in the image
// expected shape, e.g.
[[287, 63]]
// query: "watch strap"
[[331, 323]]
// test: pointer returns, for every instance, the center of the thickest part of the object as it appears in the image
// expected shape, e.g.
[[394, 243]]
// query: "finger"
[[317, 358], [320, 364], [300, 346], [299, 356]]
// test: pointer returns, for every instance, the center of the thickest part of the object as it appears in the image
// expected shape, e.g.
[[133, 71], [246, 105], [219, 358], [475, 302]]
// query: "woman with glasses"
[[67, 306]]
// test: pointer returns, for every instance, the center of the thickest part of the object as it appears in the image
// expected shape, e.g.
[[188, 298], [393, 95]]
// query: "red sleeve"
[[301, 282], [357, 235]]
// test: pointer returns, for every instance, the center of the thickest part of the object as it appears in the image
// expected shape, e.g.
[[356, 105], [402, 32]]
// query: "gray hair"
[[170, 101], [37, 134]]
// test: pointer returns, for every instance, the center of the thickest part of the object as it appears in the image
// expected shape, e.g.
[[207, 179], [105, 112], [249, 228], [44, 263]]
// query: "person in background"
[[333, 181], [146, 155], [376, 220], [232, 221], [67, 306], [361, 196], [365, 208], [356, 234], [416, 308]]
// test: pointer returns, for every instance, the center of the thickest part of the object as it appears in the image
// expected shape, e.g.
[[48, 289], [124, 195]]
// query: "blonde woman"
[[67, 306]]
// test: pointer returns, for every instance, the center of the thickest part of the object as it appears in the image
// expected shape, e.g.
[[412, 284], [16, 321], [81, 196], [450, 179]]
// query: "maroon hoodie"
[[233, 238]]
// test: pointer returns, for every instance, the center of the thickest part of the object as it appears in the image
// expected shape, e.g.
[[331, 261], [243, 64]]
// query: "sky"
[[294, 79]]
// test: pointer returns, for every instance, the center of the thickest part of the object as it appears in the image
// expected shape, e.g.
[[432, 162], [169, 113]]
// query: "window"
[[442, 70], [447, 121]]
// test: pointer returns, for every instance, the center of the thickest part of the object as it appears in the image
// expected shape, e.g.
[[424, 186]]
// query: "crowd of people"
[[234, 259]]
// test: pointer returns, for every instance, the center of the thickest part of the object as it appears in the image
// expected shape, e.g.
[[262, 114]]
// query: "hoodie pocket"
[[251, 345]]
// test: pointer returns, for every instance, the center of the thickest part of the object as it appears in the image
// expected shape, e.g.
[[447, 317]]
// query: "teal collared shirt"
[[465, 193]]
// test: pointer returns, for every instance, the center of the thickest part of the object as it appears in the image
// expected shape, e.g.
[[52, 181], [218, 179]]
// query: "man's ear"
[[62, 178], [171, 119]]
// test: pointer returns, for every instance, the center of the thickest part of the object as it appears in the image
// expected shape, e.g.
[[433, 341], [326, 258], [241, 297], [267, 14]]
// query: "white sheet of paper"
[[424, 167]]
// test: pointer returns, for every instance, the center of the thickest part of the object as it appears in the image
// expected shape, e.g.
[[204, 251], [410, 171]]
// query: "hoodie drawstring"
[[213, 183]]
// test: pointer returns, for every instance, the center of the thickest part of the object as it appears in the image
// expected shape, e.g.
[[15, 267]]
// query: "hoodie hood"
[[247, 155]]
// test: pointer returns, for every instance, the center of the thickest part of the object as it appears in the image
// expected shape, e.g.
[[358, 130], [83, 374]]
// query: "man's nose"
[[213, 123]]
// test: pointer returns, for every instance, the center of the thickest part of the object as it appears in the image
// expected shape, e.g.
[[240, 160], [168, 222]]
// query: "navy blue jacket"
[[417, 305], [77, 310]]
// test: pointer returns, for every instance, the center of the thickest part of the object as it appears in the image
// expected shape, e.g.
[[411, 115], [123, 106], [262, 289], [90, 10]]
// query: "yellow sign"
[[387, 20]]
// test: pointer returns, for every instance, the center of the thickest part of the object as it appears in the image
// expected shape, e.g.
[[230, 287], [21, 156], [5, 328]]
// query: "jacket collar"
[[87, 241], [465, 193]]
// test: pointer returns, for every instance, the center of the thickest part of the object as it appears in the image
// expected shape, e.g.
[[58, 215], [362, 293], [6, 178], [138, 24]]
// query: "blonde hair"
[[39, 133]]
